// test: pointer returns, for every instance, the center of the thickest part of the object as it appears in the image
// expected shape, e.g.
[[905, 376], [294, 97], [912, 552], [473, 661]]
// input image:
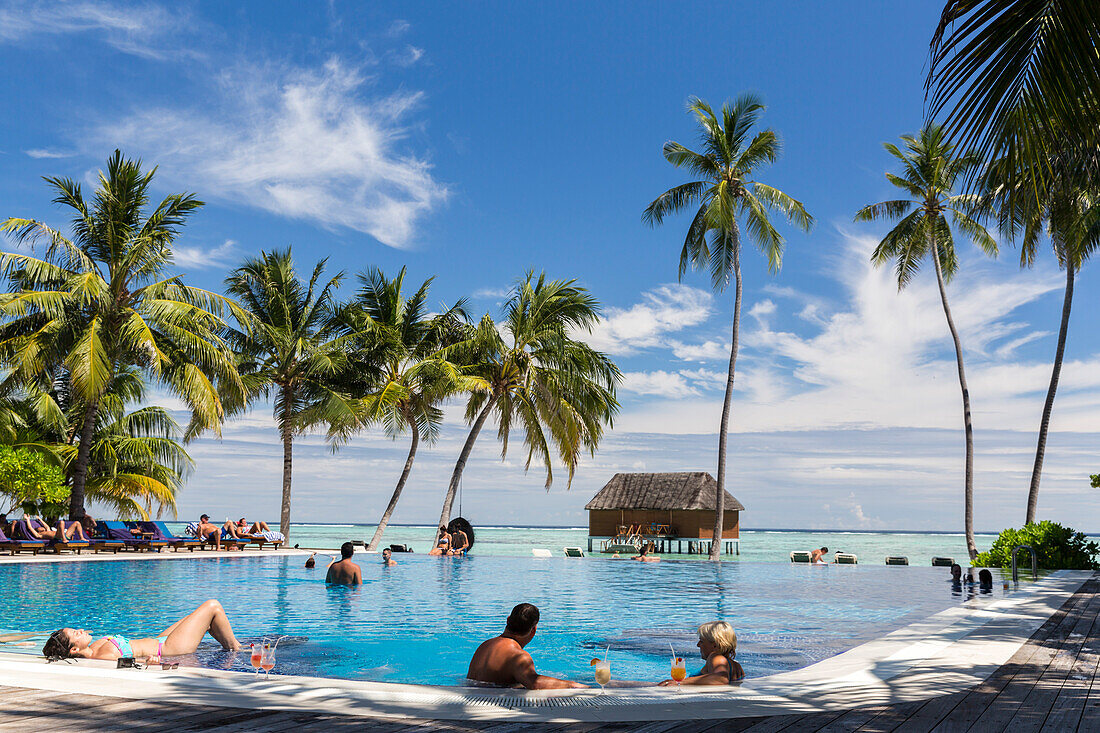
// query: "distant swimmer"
[[644, 556], [387, 558], [817, 557]]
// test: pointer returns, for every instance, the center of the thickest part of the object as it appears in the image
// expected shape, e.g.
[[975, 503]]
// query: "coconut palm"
[[724, 192], [405, 378], [931, 169], [529, 372], [100, 301], [137, 463], [1069, 214], [289, 346], [1011, 78]]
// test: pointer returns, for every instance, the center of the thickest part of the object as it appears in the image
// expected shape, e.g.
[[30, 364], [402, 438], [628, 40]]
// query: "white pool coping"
[[948, 652]]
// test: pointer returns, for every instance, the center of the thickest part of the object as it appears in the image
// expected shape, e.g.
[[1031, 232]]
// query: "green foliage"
[[27, 478], [1095, 480], [1056, 548]]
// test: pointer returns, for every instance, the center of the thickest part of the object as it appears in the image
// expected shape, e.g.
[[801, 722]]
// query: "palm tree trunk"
[[83, 456], [720, 502], [288, 462], [398, 489], [1048, 406], [460, 465], [968, 427]]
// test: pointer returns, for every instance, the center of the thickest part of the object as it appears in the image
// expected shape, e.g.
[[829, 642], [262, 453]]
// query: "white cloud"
[[301, 143], [491, 293], [196, 257], [407, 56], [884, 360], [667, 309], [49, 153], [137, 29], [706, 351], [661, 383]]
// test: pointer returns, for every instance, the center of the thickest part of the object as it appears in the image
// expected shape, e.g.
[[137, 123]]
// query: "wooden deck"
[[1050, 684]]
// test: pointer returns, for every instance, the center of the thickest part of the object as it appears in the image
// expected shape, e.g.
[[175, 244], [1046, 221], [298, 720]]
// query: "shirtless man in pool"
[[502, 661], [344, 571]]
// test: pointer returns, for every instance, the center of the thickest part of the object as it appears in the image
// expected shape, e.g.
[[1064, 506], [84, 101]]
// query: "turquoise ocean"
[[757, 545]]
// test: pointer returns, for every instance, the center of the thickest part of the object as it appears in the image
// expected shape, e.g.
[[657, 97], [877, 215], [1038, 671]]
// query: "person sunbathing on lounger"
[[718, 645], [182, 637], [209, 532], [256, 528], [41, 531]]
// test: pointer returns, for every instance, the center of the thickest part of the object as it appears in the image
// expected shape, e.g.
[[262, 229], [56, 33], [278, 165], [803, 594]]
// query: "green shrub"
[[28, 480], [1056, 548], [1095, 480]]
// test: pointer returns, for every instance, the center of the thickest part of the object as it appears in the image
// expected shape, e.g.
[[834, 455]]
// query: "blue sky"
[[475, 141]]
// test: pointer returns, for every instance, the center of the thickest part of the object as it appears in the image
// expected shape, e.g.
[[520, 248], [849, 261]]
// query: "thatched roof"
[[687, 490]]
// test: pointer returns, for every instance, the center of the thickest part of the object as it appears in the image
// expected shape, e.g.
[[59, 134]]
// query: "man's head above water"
[[522, 621]]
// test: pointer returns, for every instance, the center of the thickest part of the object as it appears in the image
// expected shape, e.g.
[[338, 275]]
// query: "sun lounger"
[[400, 548], [573, 552], [943, 562], [540, 552], [845, 558], [267, 538], [897, 560], [15, 545], [159, 531], [800, 556], [56, 544], [117, 530]]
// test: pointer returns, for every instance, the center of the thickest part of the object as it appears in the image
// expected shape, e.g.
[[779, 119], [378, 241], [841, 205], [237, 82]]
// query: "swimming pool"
[[421, 620]]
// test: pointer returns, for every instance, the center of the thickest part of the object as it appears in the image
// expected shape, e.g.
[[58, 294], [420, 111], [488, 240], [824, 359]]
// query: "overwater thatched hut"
[[674, 506]]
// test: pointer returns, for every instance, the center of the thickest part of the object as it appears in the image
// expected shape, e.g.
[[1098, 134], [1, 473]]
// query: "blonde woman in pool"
[[718, 645]]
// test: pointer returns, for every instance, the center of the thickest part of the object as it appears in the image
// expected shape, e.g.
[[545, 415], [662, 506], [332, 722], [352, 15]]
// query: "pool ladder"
[[1034, 563]]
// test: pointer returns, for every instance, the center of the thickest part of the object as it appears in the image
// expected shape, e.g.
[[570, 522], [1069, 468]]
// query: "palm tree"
[[1070, 215], [289, 346], [725, 191], [1013, 79], [406, 380], [100, 302], [528, 369], [930, 171]]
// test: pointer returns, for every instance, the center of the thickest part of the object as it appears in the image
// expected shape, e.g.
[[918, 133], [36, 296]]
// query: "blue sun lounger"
[[161, 533], [117, 530], [14, 546]]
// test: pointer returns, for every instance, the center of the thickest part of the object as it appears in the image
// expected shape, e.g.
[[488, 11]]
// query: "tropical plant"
[[1068, 212], [396, 361], [290, 347], [724, 192], [529, 371], [100, 302], [1014, 79], [137, 462], [1056, 548], [1095, 480], [29, 478], [931, 168]]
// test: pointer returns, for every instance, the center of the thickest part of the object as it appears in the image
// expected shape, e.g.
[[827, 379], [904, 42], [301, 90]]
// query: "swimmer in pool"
[[718, 645], [817, 557], [182, 637]]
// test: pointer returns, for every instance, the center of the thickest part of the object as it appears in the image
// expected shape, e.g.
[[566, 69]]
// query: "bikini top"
[[122, 644]]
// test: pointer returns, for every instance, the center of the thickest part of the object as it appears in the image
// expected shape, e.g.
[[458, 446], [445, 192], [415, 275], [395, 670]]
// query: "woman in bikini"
[[41, 531], [182, 637], [718, 645], [442, 543]]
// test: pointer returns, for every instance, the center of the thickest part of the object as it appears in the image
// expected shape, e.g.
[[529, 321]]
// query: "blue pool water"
[[421, 620]]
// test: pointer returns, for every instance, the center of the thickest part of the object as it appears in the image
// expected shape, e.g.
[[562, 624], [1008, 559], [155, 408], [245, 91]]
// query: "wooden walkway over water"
[[1050, 684]]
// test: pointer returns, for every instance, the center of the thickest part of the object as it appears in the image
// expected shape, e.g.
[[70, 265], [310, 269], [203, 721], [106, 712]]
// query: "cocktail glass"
[[255, 655], [678, 671], [603, 674], [267, 659]]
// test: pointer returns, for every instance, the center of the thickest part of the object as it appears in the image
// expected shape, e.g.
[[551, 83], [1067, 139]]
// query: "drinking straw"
[[605, 651], [674, 657]]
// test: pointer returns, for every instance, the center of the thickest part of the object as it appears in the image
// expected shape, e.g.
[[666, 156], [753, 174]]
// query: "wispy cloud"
[[301, 143], [665, 310], [49, 153], [201, 258], [138, 29], [661, 383], [491, 293]]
